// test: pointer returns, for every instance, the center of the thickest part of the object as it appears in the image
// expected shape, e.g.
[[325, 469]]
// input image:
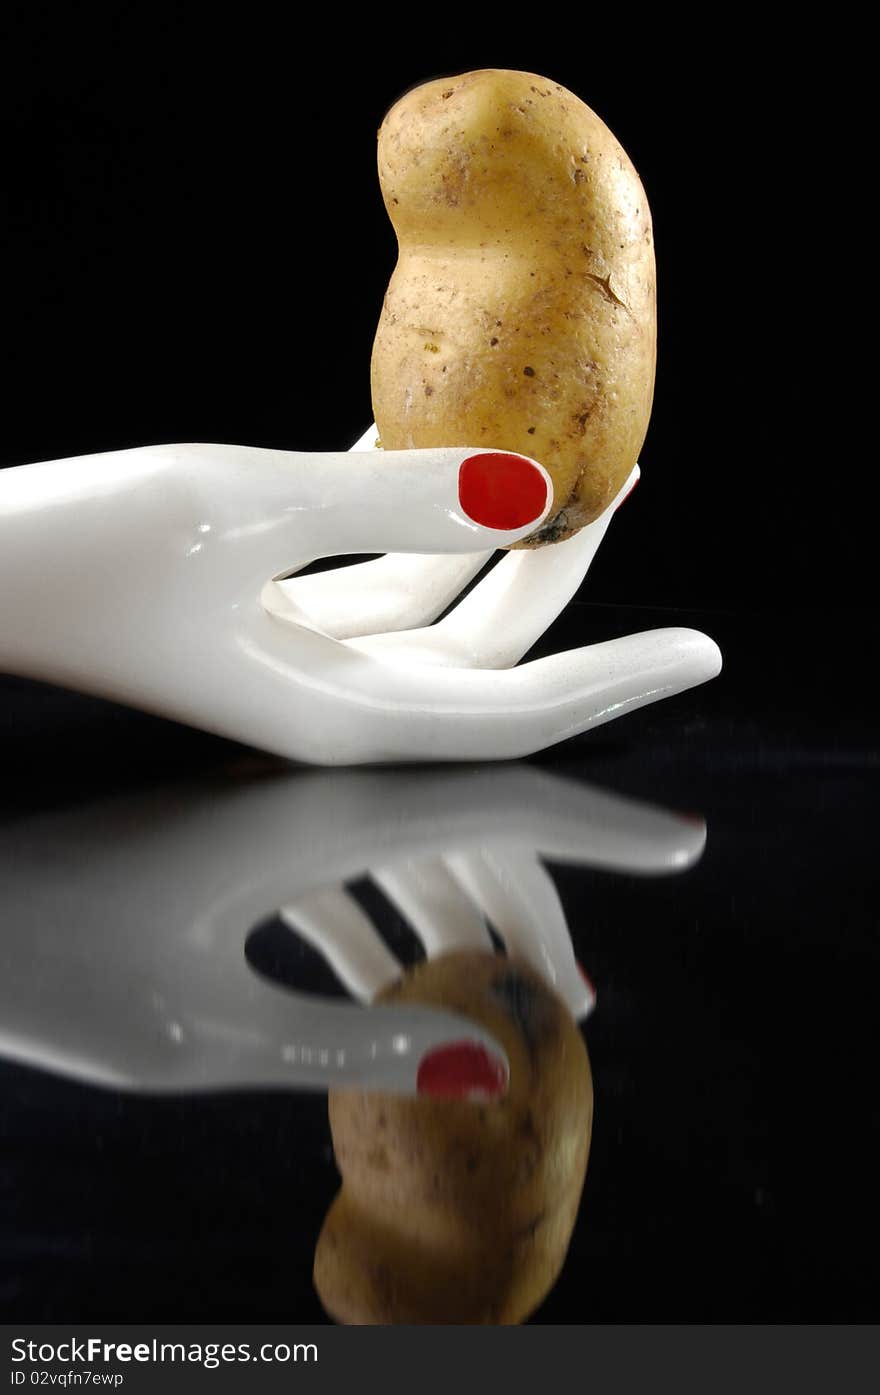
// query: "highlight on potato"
[[521, 314], [454, 1211]]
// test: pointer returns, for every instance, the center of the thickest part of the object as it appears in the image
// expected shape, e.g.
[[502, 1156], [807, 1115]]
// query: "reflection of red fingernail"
[[586, 978], [460, 1069], [501, 491]]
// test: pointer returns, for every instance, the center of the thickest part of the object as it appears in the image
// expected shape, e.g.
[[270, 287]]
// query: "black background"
[[196, 249]]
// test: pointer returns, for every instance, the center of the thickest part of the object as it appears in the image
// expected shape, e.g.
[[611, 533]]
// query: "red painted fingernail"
[[501, 491], [629, 491], [460, 1069]]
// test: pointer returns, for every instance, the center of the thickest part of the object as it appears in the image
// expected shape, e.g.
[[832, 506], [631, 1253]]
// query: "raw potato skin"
[[522, 312], [453, 1211]]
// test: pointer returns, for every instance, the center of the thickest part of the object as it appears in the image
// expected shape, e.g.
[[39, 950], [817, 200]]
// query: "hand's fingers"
[[334, 924], [294, 1040], [380, 816], [312, 697], [282, 506], [441, 914], [394, 592], [439, 500], [262, 512], [352, 821], [503, 616], [519, 896], [500, 620]]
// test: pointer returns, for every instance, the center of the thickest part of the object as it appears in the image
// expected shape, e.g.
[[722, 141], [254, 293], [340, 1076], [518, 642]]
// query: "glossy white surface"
[[124, 923], [146, 576]]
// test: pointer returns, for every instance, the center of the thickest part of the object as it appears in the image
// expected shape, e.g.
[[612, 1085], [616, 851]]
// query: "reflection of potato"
[[453, 1211], [521, 314]]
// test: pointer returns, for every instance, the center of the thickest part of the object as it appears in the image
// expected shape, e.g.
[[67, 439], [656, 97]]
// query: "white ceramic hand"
[[146, 576], [122, 944]]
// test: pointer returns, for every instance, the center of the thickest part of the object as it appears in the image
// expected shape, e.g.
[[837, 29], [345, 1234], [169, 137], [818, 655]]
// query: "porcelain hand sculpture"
[[125, 922], [148, 576]]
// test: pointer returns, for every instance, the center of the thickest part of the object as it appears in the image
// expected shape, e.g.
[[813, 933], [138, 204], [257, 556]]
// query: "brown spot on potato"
[[527, 1126], [383, 1284], [604, 284], [529, 372], [555, 530], [527, 1231]]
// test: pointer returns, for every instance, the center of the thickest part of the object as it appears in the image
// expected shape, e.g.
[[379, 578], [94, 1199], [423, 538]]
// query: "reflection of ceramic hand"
[[122, 946], [146, 576], [487, 868]]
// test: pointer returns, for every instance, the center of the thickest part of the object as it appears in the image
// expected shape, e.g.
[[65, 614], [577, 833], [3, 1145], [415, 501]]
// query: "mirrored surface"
[[187, 927]]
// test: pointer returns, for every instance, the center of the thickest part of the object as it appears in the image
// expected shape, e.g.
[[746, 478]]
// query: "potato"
[[453, 1211], [521, 314]]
